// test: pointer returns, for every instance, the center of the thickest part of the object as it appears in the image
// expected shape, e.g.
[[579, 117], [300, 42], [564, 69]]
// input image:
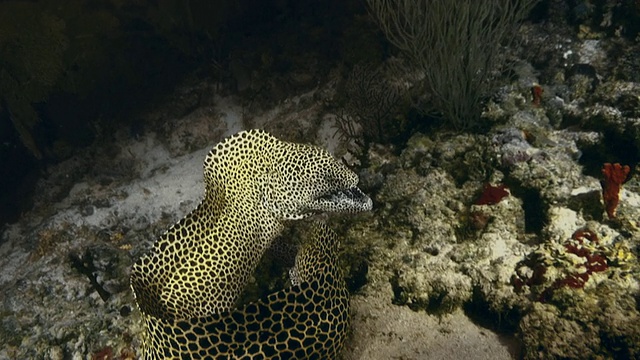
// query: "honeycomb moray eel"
[[305, 321], [253, 184]]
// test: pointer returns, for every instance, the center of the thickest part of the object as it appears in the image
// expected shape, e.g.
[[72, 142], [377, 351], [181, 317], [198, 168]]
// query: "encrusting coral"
[[199, 267], [582, 256]]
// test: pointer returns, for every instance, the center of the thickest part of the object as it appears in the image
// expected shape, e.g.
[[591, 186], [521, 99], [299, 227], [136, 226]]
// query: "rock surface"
[[471, 234]]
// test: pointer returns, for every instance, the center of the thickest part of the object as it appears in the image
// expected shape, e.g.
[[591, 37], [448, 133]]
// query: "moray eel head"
[[310, 182], [290, 180]]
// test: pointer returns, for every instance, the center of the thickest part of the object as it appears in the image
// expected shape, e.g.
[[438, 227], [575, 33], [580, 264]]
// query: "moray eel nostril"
[[254, 182]]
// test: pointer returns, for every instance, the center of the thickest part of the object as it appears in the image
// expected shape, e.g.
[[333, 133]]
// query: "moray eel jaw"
[[348, 200], [341, 200]]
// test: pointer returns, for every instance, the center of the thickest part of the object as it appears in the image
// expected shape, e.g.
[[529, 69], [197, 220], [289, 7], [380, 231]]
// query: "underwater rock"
[[439, 255], [581, 280], [615, 111], [60, 292]]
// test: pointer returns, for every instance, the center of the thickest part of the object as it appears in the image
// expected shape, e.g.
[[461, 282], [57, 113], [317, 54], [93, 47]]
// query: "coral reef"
[[521, 257], [442, 39], [551, 267], [545, 265]]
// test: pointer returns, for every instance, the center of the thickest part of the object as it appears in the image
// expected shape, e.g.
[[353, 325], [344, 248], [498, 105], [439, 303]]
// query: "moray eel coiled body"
[[305, 321], [254, 182]]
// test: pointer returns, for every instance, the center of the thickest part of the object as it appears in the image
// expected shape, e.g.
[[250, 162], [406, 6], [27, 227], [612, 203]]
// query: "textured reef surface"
[[517, 241]]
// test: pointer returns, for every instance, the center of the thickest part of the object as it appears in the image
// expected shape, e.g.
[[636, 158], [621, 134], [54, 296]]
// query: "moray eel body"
[[305, 321], [253, 184]]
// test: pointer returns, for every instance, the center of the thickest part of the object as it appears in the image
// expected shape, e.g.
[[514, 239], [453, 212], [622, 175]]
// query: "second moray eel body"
[[305, 321], [253, 183]]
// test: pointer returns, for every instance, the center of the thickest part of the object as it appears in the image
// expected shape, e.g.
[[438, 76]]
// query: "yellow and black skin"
[[254, 182], [306, 321]]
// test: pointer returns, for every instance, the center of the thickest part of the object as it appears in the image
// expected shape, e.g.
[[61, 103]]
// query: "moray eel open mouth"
[[345, 200]]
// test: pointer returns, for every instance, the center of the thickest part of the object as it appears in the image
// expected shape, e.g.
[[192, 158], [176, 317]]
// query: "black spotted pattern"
[[308, 321], [253, 183]]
